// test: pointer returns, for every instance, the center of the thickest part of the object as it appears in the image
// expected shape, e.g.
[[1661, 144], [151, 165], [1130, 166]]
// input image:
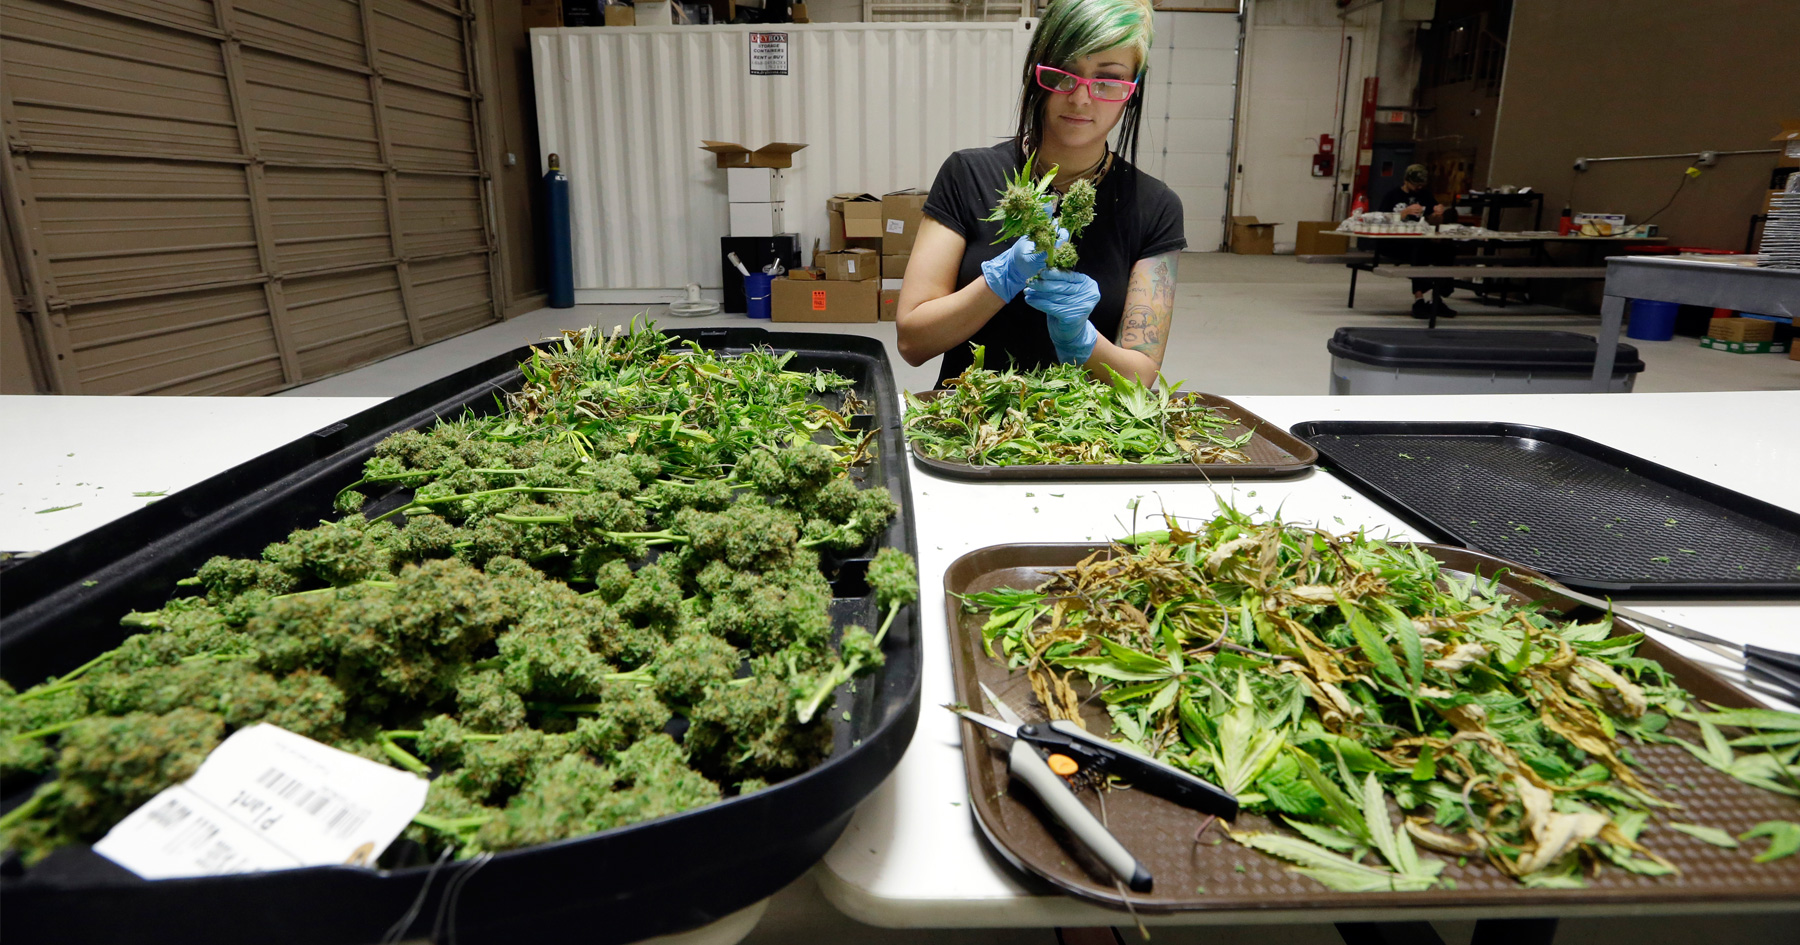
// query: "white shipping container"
[[879, 105]]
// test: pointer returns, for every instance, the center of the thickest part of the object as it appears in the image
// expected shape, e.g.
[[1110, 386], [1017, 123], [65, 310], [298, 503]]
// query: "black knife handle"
[[1768, 672], [1144, 773], [1787, 661]]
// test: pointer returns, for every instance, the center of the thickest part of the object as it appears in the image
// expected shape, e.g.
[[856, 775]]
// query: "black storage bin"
[[755, 252], [658, 877], [1470, 361]]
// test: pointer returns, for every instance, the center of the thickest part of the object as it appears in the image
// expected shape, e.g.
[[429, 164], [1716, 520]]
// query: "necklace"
[[1097, 171]]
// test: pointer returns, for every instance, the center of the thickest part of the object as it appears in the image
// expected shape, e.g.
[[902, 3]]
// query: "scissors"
[[1770, 669], [1043, 755]]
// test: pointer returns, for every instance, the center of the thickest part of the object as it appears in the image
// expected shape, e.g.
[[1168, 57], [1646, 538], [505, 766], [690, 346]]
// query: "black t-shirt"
[[1136, 216], [1398, 197]]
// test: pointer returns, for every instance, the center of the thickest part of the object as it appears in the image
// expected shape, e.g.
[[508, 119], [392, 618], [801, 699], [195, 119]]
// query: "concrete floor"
[[1243, 325]]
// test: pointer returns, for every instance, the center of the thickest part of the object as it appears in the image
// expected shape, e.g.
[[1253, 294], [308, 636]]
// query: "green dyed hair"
[[1071, 29]]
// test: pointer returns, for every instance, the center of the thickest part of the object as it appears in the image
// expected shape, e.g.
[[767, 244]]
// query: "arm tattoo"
[[1149, 306]]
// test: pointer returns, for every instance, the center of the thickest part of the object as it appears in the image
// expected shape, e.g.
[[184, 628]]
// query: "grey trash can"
[[1470, 361]]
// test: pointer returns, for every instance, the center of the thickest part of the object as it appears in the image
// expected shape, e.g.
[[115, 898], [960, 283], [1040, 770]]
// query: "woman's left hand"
[[1066, 299]]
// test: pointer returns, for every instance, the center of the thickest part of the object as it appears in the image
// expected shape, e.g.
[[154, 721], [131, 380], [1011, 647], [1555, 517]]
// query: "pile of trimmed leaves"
[[1057, 415], [636, 537], [1318, 675]]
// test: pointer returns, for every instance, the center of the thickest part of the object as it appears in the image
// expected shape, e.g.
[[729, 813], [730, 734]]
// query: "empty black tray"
[[1593, 517], [62, 607]]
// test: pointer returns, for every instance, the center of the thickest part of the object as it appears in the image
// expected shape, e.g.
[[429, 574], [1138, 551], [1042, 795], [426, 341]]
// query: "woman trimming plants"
[[1110, 309]]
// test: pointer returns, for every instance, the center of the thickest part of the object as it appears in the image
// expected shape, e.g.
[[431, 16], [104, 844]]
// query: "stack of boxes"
[[901, 212], [757, 200], [755, 191], [857, 279], [845, 290]]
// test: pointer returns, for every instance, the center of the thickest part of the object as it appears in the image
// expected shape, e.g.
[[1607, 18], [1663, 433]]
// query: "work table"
[[912, 856]]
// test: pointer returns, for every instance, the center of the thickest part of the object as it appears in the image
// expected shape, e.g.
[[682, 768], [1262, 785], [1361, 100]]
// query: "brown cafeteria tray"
[[1273, 453], [1227, 877]]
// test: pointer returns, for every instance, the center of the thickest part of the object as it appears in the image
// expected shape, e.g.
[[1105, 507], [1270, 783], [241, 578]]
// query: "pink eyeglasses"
[[1064, 83]]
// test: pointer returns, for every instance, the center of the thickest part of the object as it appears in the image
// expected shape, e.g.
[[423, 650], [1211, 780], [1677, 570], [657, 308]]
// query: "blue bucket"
[[756, 294], [1651, 321]]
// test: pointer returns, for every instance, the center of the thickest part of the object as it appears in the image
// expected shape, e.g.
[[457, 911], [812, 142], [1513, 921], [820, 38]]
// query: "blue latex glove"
[[1008, 272], [1067, 299]]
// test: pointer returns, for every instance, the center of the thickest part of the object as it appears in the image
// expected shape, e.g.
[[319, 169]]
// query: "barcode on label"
[[340, 816], [198, 838], [170, 813]]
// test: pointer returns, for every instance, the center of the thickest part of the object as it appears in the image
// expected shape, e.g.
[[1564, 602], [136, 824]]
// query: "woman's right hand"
[[1008, 272]]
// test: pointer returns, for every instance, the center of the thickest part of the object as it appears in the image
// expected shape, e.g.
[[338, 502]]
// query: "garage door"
[[1189, 102], [234, 196]]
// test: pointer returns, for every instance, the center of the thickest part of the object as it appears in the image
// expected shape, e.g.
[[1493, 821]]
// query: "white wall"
[[1289, 92], [1185, 138], [880, 105]]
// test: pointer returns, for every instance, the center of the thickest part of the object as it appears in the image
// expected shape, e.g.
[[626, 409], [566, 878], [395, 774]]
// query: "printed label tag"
[[850, 266], [768, 54], [267, 799], [818, 300], [896, 226]]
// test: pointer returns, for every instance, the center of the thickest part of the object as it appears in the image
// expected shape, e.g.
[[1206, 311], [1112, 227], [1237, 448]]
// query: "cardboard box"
[[890, 304], [756, 219], [755, 185], [827, 301], [621, 14], [894, 267], [798, 10], [1740, 329], [541, 13], [849, 265], [806, 274], [855, 221], [900, 214], [730, 154], [1316, 238], [1745, 347], [1251, 238]]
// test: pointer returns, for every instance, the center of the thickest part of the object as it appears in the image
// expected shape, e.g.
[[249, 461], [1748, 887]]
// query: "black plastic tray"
[[1273, 454], [622, 885], [1591, 516]]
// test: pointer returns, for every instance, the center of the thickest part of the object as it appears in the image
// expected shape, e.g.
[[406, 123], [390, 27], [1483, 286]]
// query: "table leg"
[[1389, 933], [1487, 932], [1352, 302], [1514, 932], [1612, 313]]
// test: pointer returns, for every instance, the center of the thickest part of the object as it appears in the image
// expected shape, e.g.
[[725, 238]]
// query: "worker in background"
[[1082, 80], [1410, 201]]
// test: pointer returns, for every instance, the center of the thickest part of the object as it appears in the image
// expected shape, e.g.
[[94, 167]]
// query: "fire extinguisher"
[[1324, 161], [556, 219]]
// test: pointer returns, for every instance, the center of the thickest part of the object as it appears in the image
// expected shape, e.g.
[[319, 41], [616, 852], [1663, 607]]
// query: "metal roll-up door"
[[235, 196]]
